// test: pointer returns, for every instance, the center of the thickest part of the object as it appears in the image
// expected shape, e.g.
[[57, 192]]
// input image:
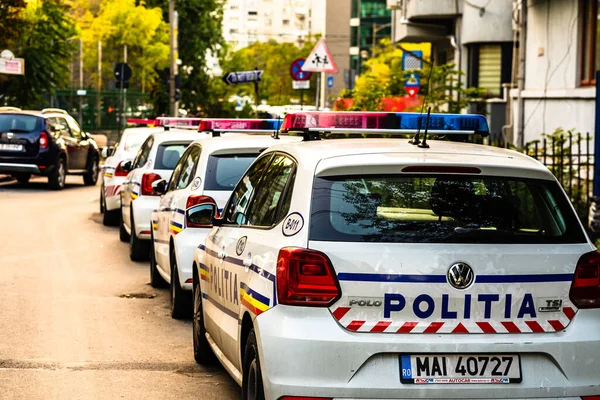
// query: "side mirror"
[[127, 166], [107, 152], [202, 215], [159, 186]]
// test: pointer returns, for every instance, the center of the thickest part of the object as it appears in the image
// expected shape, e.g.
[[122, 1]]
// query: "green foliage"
[[119, 23], [275, 59], [42, 38], [384, 77], [10, 17]]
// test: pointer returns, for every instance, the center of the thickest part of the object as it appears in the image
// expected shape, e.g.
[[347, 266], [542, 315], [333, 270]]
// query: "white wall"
[[552, 95], [493, 26]]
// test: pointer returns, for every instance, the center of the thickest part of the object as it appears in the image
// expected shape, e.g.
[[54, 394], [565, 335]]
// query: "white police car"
[[155, 160], [207, 171], [113, 175], [379, 269]]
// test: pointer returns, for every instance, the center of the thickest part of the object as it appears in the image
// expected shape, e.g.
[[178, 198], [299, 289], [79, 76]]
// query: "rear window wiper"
[[500, 232]]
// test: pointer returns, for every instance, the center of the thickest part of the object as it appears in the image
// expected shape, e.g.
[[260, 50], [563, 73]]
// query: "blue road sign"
[[330, 82], [296, 70], [410, 62], [232, 78]]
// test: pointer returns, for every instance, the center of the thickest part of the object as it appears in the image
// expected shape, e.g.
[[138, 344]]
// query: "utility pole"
[[99, 88], [80, 81], [174, 56]]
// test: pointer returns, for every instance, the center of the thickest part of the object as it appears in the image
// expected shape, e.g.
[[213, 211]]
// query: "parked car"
[[48, 143]]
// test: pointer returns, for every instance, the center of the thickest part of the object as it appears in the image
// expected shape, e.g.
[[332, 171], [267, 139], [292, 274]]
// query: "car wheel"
[[91, 175], [203, 354], [139, 250], [252, 384], [57, 177], [181, 306], [22, 178], [102, 206], [123, 235], [156, 281]]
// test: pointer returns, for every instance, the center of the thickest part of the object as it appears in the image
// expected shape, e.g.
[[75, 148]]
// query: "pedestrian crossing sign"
[[320, 59]]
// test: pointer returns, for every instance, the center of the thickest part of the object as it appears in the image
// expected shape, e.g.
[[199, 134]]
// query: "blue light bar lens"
[[445, 122]]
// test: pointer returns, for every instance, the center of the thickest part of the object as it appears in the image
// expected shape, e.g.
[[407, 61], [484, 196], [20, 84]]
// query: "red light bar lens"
[[208, 125], [168, 121], [140, 121]]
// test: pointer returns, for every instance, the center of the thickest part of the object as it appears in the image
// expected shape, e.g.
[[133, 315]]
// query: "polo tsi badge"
[[460, 275]]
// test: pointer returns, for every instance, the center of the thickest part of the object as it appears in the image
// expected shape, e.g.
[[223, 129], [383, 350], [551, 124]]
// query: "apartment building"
[[286, 21]]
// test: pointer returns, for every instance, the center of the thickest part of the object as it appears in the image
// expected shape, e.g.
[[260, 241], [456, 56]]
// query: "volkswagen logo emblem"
[[9, 135], [460, 275]]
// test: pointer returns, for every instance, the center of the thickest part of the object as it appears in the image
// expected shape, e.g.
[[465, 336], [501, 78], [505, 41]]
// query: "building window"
[[490, 66], [590, 52]]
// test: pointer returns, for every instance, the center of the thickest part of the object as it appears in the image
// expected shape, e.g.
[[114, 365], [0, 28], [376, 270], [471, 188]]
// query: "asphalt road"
[[78, 319]]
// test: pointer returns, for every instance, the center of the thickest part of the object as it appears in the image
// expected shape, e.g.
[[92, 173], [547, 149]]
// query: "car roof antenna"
[[423, 144], [276, 133], [415, 140]]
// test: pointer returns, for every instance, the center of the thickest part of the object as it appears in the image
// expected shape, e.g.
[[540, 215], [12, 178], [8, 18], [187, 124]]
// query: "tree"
[[199, 31], [10, 17], [43, 39], [122, 23]]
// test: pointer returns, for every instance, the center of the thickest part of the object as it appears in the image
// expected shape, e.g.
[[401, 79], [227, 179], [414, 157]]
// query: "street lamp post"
[[375, 30]]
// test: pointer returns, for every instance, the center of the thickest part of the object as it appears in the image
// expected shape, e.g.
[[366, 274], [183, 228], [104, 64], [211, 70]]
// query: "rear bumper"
[[142, 208], [19, 168], [186, 242], [305, 352]]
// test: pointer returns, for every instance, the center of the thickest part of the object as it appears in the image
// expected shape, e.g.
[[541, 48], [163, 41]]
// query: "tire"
[[139, 250], [22, 178], [90, 178], [156, 281], [56, 179], [203, 354], [181, 300], [123, 235], [252, 384], [102, 206], [111, 218]]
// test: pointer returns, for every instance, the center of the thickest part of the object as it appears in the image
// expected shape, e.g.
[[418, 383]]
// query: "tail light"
[[585, 289], [119, 171], [147, 179], [195, 200], [306, 278], [44, 140]]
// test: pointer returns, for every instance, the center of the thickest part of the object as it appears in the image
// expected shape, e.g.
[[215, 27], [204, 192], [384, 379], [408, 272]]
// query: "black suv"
[[48, 143]]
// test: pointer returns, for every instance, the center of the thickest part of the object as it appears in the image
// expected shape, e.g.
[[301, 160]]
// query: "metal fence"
[[569, 157]]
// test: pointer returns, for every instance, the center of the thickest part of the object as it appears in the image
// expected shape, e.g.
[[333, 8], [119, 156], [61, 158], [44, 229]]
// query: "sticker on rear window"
[[292, 224]]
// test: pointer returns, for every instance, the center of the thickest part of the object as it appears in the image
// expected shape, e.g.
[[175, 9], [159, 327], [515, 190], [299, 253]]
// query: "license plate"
[[460, 368], [11, 147]]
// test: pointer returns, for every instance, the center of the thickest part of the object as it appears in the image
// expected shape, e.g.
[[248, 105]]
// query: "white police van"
[[207, 172], [383, 269]]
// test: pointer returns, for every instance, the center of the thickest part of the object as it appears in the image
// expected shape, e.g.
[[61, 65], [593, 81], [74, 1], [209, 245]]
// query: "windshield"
[[19, 123], [224, 171], [167, 155], [442, 209]]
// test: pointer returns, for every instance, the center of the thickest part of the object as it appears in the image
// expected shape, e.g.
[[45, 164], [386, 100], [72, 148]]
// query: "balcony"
[[429, 9]]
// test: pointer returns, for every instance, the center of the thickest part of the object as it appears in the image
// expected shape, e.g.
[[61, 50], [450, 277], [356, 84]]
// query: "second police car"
[[207, 171], [379, 268], [113, 174], [155, 160]]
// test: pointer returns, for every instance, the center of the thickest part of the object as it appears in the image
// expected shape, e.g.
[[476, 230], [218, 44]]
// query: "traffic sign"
[[16, 66], [296, 70], [232, 78], [126, 70], [320, 59], [410, 62], [330, 82], [300, 85]]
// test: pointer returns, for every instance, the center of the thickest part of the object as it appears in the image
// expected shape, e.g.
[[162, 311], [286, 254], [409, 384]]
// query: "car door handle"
[[247, 262], [222, 255]]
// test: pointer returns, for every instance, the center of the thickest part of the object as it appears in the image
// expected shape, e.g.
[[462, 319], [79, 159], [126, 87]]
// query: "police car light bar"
[[382, 122], [221, 125], [141, 121], [178, 122]]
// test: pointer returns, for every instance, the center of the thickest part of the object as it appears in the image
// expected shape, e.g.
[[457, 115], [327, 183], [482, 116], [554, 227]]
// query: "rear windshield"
[[134, 141], [224, 171], [167, 155], [19, 123], [443, 209]]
